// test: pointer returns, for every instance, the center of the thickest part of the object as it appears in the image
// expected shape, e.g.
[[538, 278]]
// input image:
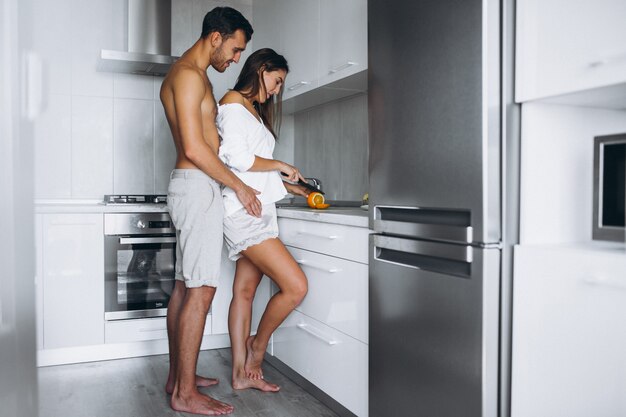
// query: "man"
[[195, 202]]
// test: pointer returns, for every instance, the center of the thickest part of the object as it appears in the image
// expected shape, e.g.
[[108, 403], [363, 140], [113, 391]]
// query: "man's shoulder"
[[183, 72]]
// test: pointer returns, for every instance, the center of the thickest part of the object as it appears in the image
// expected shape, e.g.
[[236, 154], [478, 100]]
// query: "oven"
[[140, 256]]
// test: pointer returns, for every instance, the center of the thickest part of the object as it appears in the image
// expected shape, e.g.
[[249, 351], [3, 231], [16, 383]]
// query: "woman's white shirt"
[[243, 137]]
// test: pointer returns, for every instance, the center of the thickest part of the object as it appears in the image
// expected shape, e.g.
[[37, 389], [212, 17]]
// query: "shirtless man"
[[195, 202]]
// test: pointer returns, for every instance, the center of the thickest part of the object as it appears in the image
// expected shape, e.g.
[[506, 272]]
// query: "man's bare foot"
[[243, 382], [197, 403], [200, 382], [253, 361]]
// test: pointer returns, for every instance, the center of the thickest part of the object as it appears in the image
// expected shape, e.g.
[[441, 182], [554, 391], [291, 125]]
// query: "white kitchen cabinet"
[[343, 39], [73, 280], [569, 330], [566, 47], [333, 361], [325, 339], [324, 42], [338, 292], [136, 330], [39, 279], [224, 293]]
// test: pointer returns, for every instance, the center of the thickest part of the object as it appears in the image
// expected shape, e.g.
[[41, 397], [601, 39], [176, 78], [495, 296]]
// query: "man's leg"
[[173, 311], [189, 330]]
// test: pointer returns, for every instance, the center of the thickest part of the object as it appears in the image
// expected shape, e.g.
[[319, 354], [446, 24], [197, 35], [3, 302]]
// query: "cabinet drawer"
[[338, 292], [136, 330], [346, 242], [335, 363]]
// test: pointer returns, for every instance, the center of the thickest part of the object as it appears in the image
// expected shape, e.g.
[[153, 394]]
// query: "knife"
[[306, 185]]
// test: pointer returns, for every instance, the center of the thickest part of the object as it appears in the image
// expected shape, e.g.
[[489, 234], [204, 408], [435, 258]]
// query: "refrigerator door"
[[434, 108], [433, 328]]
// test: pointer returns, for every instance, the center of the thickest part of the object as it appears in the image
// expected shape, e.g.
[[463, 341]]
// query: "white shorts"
[[195, 203], [241, 230]]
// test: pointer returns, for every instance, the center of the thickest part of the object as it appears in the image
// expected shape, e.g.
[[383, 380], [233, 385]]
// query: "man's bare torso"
[[184, 72]]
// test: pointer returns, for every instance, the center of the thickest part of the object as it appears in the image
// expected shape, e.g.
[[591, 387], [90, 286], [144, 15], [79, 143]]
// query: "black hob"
[[135, 199]]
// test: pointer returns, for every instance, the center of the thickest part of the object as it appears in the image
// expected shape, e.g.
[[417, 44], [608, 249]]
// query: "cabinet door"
[[300, 20], [39, 279], [569, 332], [329, 359], [343, 38], [565, 46], [338, 292], [224, 293], [73, 280]]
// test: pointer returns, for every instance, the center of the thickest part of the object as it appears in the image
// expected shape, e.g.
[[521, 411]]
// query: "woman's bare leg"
[[247, 279], [272, 258]]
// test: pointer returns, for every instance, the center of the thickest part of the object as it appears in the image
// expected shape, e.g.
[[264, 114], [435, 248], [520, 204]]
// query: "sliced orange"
[[322, 206], [314, 199]]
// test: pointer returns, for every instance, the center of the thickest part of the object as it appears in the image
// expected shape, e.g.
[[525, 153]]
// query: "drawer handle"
[[304, 262], [298, 85], [144, 330], [342, 67], [605, 282], [317, 334], [331, 237]]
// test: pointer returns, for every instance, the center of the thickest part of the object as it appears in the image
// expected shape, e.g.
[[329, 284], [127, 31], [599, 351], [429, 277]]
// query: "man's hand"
[[247, 197], [296, 189]]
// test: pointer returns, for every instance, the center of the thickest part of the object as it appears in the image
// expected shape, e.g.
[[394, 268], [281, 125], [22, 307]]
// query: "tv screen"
[[610, 187]]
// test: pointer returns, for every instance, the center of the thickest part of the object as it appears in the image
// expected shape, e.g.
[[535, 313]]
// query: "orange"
[[314, 199], [322, 206]]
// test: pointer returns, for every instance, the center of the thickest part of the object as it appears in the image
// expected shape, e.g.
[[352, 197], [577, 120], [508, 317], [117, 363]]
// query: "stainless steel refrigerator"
[[444, 140]]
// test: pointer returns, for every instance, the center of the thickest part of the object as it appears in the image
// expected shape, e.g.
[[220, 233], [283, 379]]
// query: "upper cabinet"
[[576, 49], [343, 39], [324, 41]]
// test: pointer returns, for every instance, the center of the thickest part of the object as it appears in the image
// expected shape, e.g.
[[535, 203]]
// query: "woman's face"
[[273, 82]]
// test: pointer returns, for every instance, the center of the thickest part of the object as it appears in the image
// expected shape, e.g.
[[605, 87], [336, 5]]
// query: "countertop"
[[349, 216], [94, 206]]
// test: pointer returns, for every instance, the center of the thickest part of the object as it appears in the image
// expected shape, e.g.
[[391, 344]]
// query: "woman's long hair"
[[250, 81]]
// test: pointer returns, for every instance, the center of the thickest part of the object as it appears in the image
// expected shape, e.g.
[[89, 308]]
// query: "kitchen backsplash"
[[331, 144], [104, 133]]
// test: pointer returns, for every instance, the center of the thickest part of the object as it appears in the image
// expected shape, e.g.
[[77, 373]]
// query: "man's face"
[[229, 51]]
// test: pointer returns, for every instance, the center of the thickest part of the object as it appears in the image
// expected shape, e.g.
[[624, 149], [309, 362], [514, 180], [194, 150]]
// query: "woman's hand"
[[296, 189], [290, 172]]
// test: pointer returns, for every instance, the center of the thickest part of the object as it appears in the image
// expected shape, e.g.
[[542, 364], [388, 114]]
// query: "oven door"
[[139, 276]]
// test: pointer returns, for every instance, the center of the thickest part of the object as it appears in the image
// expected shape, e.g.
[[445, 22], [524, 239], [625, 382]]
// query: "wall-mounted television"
[[609, 188]]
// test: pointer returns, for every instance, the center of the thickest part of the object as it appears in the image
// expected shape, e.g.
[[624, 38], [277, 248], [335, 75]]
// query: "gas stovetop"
[[135, 199]]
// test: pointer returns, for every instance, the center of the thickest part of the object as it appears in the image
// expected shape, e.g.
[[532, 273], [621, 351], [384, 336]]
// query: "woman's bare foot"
[[200, 382], [253, 361], [243, 382], [197, 403]]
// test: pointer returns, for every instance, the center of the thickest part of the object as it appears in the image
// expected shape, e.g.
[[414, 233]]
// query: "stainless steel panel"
[[434, 106], [146, 240], [135, 314], [136, 223], [434, 339], [149, 26]]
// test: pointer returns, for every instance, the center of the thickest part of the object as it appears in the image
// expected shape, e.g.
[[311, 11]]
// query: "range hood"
[[149, 41]]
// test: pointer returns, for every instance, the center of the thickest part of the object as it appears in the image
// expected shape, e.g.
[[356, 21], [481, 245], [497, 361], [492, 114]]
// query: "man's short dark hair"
[[226, 21]]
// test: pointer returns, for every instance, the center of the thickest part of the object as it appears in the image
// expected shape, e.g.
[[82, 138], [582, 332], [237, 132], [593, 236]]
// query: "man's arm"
[[189, 90]]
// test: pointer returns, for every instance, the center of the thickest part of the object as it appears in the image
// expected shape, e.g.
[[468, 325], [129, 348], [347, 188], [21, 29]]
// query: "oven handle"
[[140, 240]]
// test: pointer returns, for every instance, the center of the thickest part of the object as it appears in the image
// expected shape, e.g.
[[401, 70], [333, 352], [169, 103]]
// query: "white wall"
[[104, 133], [557, 170]]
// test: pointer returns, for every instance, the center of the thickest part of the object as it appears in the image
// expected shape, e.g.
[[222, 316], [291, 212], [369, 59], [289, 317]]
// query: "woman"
[[248, 119]]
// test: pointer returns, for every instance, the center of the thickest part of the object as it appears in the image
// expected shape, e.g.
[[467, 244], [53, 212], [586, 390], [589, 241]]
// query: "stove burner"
[[135, 199]]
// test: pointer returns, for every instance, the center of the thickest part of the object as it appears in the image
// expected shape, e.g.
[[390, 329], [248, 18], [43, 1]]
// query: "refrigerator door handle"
[[452, 225], [443, 258]]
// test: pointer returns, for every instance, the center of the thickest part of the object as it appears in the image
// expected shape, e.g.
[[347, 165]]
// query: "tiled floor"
[[135, 388]]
